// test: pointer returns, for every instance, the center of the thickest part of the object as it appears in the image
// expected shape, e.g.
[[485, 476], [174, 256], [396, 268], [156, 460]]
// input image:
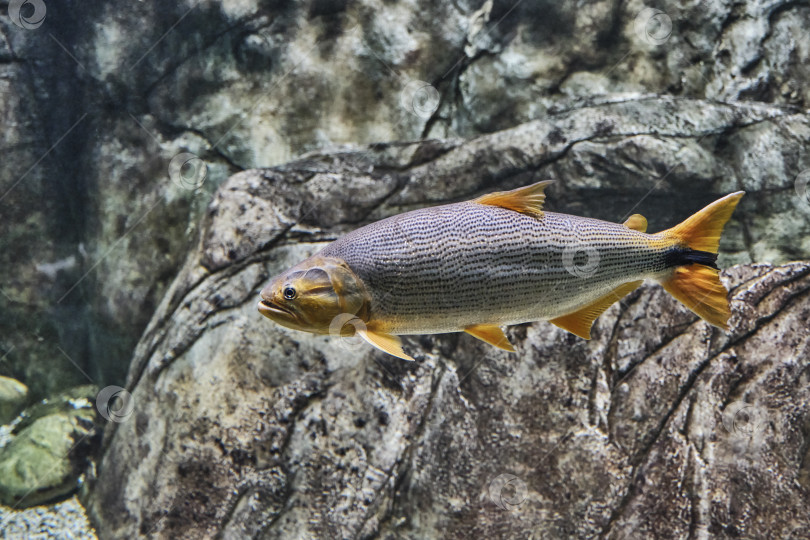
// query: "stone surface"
[[121, 119], [73, 401], [66, 519], [99, 100], [48, 449], [659, 426], [13, 395]]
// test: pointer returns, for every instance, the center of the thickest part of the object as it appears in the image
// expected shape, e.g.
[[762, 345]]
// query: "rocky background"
[[121, 123]]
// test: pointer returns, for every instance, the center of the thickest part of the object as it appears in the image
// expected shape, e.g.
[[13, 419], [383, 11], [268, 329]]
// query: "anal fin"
[[388, 343], [579, 322], [491, 334]]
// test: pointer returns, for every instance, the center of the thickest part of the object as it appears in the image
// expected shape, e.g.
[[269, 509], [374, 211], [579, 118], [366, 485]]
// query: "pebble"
[[65, 520]]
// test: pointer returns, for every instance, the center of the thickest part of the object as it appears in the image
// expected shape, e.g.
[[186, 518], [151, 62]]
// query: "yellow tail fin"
[[696, 285]]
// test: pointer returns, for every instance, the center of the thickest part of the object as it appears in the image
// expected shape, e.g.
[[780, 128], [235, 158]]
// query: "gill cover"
[[311, 294], [317, 294]]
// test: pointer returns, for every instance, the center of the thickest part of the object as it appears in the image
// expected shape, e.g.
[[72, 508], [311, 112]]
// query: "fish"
[[497, 260]]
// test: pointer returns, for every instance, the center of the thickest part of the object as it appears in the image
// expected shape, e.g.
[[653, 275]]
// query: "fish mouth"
[[271, 310]]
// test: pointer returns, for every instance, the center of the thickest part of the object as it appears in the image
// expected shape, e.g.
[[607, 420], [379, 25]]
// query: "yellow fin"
[[702, 230], [637, 222], [579, 322], [698, 287], [491, 334], [385, 342], [526, 200]]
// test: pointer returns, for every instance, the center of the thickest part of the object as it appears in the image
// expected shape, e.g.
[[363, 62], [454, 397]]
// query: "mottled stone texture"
[[246, 429], [659, 426], [98, 100]]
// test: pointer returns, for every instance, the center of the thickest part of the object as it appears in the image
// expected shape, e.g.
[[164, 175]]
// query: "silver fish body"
[[497, 260], [445, 268]]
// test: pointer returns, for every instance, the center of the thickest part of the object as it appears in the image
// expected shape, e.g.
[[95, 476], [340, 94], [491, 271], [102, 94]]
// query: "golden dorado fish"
[[497, 260]]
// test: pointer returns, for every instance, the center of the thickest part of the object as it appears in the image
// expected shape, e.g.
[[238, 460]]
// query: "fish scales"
[[496, 260], [445, 268]]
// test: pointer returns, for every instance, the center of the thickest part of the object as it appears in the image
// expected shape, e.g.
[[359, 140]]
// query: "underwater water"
[[164, 374]]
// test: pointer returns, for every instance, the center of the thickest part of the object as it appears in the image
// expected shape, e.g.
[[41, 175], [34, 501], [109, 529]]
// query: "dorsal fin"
[[579, 322], [526, 200], [637, 222]]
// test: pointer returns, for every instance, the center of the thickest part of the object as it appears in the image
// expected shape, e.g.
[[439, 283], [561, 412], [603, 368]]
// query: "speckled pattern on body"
[[444, 268]]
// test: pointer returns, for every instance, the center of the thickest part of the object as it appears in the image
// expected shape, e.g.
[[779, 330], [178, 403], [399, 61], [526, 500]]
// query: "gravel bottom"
[[63, 520]]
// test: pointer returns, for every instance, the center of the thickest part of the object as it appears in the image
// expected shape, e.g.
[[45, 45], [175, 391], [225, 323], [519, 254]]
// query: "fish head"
[[312, 294]]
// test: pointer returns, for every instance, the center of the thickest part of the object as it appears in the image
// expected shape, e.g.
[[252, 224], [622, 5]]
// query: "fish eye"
[[289, 293]]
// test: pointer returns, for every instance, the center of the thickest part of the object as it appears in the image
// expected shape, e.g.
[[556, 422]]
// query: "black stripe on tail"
[[680, 256]]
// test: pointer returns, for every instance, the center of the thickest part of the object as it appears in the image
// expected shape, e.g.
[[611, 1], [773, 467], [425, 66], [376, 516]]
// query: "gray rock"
[[256, 84], [13, 395], [618, 102], [243, 428], [76, 401]]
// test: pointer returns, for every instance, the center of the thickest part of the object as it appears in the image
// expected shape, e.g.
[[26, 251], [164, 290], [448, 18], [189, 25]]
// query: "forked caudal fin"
[[696, 284]]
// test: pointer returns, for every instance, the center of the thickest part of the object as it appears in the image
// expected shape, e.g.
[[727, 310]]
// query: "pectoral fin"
[[385, 342], [579, 322], [491, 334], [527, 200]]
